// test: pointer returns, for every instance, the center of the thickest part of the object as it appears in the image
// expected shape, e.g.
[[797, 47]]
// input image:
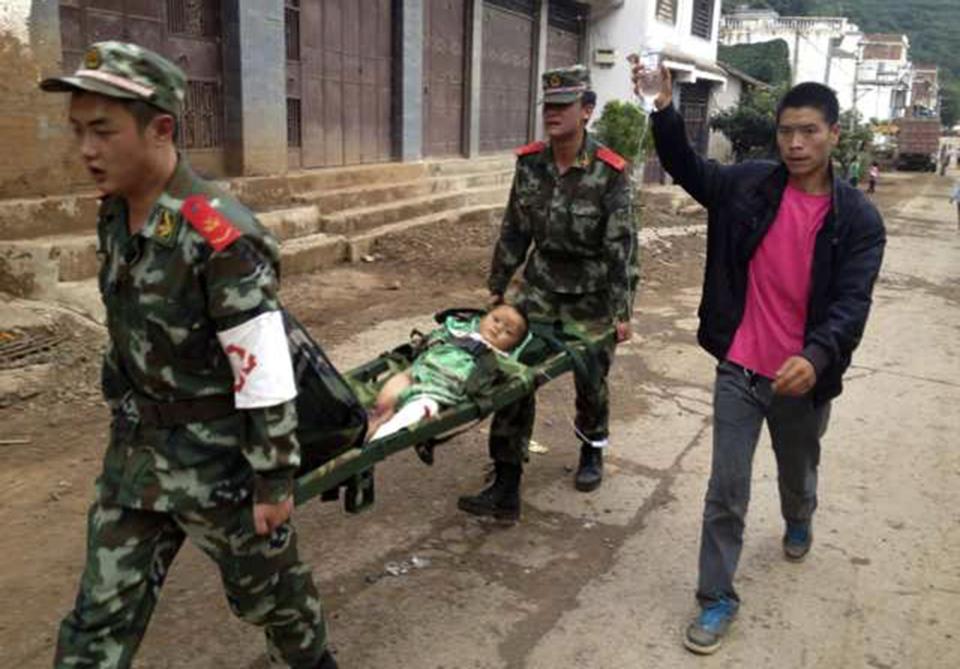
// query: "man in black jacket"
[[792, 256]]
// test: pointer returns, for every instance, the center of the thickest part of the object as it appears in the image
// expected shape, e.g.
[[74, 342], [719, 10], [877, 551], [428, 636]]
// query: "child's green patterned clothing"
[[456, 363]]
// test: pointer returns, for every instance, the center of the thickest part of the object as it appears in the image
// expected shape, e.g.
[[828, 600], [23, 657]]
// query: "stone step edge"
[[363, 244], [307, 196], [75, 255], [73, 240], [292, 182], [424, 199]]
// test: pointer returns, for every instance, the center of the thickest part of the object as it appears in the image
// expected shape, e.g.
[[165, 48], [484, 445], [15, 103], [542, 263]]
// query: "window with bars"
[[667, 11], [569, 16], [702, 18], [202, 120], [198, 18], [526, 7], [293, 123], [291, 24]]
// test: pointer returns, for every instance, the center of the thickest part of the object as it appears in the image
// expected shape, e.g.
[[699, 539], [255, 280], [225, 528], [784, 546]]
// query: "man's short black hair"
[[143, 113], [812, 94], [589, 98]]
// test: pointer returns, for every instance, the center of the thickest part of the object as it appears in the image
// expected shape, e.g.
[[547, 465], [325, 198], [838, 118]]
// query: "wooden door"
[[566, 23], [444, 62], [507, 74], [344, 81], [188, 32], [694, 99]]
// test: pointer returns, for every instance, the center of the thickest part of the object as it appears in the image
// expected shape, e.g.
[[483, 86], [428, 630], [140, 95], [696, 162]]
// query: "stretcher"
[[337, 460]]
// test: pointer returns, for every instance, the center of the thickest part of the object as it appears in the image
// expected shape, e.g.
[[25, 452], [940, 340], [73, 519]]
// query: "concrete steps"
[[322, 217], [361, 219], [329, 201], [22, 219], [366, 243], [260, 193], [460, 167]]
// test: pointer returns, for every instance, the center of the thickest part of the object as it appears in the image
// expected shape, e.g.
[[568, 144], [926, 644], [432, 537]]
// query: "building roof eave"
[[743, 76]]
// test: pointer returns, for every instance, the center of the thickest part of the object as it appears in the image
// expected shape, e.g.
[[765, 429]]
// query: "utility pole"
[[856, 80], [796, 53]]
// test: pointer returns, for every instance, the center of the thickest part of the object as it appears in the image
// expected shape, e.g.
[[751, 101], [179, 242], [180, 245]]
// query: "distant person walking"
[[855, 172], [955, 198], [873, 175]]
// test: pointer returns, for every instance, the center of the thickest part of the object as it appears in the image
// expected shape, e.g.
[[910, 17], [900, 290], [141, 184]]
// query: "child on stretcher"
[[439, 375]]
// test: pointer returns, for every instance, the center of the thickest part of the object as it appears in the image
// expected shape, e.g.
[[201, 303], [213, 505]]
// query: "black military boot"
[[327, 661], [501, 499], [590, 471]]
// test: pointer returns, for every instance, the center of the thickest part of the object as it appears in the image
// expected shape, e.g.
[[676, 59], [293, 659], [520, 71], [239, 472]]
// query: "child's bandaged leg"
[[411, 413]]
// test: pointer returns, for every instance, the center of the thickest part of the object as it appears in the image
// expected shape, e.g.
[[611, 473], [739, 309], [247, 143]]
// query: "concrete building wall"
[[31, 121], [883, 88], [255, 83], [842, 68], [874, 102], [822, 49], [724, 97], [627, 28]]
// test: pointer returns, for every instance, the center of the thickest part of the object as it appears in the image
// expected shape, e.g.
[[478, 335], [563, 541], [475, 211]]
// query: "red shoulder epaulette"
[[612, 158], [210, 223], [532, 147]]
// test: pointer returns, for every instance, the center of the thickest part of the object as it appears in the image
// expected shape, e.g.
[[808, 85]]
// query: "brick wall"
[[35, 156]]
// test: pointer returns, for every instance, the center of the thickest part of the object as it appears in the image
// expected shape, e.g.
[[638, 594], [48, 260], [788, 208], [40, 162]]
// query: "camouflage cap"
[[128, 71], [565, 84]]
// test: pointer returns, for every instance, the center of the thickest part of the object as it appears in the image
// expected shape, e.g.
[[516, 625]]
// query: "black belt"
[[181, 412]]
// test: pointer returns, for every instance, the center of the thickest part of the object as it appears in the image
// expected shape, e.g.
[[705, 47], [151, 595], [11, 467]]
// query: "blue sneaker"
[[797, 540], [706, 632]]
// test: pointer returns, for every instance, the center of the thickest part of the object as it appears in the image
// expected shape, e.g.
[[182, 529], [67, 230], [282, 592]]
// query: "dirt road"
[[596, 581]]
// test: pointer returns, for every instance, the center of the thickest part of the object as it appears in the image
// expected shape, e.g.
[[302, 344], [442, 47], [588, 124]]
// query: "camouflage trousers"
[[129, 552], [512, 426]]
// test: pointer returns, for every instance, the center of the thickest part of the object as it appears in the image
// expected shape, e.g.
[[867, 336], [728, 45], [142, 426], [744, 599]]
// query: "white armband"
[[260, 358]]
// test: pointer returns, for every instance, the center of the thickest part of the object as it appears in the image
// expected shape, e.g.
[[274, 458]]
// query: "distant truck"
[[918, 140]]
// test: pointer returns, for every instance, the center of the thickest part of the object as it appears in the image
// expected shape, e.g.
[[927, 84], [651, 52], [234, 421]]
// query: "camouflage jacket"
[[167, 293], [580, 225]]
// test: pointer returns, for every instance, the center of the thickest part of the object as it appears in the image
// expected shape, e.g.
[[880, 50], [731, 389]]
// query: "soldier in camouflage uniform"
[[198, 377], [570, 207]]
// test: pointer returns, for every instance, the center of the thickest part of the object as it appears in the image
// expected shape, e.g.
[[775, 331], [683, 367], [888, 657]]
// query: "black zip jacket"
[[742, 202]]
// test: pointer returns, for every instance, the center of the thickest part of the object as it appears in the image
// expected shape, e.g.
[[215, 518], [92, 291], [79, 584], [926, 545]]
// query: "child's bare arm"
[[390, 392], [386, 403]]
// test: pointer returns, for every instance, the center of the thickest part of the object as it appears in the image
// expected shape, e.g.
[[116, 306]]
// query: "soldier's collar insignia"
[[92, 58], [554, 81], [166, 226]]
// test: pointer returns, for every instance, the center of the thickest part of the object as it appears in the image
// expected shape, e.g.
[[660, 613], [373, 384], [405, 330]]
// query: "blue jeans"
[[742, 401]]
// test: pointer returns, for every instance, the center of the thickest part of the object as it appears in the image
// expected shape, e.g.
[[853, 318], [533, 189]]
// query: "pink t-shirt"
[[778, 286]]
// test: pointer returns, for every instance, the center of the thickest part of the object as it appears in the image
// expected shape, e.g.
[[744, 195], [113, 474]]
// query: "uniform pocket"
[[586, 226]]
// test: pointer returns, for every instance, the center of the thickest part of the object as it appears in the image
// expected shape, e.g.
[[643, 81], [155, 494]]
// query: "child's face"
[[502, 327]]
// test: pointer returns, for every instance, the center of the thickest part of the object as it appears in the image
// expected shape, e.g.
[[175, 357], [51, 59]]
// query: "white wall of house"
[[822, 49], [627, 27], [720, 148], [842, 69], [883, 87]]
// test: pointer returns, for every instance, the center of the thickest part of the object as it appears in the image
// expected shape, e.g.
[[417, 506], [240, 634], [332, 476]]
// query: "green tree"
[[950, 107], [751, 127], [767, 61], [783, 7], [856, 139], [623, 127]]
